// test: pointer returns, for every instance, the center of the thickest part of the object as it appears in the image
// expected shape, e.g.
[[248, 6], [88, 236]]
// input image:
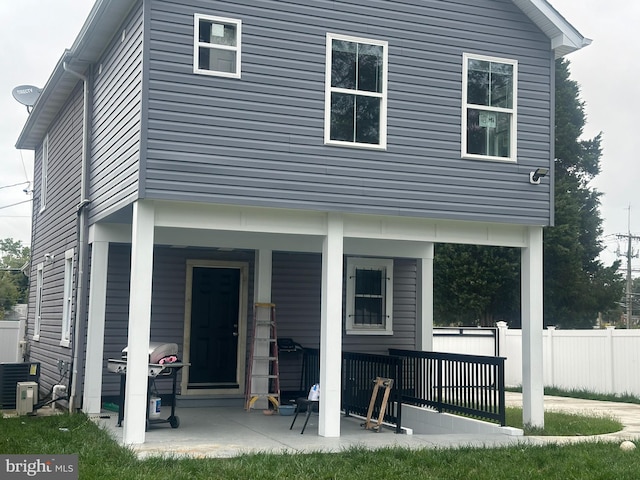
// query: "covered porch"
[[231, 431], [260, 232]]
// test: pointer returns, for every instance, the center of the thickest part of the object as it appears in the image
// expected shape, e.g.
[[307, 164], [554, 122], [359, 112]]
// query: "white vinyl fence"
[[10, 340], [604, 361]]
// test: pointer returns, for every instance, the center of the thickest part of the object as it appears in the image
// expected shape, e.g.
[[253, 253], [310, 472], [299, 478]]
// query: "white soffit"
[[564, 37]]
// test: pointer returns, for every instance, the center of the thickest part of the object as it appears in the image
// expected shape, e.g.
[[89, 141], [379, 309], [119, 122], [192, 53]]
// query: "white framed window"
[[43, 173], [356, 92], [67, 299], [217, 46], [489, 106], [369, 296], [38, 313]]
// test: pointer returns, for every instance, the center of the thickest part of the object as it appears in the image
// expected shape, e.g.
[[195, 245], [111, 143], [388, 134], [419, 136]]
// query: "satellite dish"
[[26, 95]]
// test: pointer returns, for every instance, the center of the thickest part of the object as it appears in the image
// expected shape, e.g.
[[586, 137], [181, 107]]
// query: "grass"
[[565, 424], [100, 457], [586, 395]]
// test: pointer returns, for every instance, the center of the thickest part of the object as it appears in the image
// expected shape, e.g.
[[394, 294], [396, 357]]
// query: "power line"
[[14, 204], [26, 175], [629, 255], [14, 185]]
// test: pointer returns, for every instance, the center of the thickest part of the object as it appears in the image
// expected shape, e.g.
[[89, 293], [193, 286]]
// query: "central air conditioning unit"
[[10, 375], [26, 397]]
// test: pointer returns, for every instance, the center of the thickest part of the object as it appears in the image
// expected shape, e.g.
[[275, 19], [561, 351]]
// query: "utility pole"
[[629, 255]]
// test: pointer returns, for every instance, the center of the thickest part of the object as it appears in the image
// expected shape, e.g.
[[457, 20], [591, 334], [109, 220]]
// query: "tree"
[[14, 285], [477, 285], [577, 285]]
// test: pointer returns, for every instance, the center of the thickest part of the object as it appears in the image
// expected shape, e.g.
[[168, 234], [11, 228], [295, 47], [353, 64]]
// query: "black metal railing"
[[470, 385], [310, 374], [359, 373]]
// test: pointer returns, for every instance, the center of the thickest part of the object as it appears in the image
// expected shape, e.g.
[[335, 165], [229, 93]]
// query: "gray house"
[[196, 157]]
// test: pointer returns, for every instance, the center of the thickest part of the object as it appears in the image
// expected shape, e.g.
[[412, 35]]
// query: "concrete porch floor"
[[231, 431]]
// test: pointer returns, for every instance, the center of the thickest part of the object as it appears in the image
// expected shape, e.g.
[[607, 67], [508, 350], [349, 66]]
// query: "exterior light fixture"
[[534, 177]]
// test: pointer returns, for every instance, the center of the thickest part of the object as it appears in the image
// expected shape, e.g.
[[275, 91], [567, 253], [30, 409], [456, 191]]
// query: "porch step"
[[263, 381]]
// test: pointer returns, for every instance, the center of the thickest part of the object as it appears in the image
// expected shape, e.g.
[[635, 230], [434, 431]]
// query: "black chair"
[[309, 405]]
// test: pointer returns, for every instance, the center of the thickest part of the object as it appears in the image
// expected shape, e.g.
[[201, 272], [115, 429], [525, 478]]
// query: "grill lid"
[[157, 351]]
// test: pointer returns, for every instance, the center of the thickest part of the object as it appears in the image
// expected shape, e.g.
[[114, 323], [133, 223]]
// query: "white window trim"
[[38, 309], [197, 44], [67, 299], [43, 173], [357, 262], [328, 90], [513, 147]]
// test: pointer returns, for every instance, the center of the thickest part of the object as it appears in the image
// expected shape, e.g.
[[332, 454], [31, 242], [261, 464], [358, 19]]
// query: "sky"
[[36, 32]]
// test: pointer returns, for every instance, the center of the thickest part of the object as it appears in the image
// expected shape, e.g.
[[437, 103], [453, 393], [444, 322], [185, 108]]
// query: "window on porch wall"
[[369, 296]]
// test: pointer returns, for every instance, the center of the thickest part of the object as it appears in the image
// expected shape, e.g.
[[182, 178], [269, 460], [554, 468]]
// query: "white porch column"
[[139, 322], [262, 294], [331, 328], [532, 314], [424, 340], [92, 393]]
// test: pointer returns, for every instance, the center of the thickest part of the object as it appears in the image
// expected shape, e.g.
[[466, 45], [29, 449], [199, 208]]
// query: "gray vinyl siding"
[[54, 232], [258, 140], [116, 120], [296, 291], [168, 300]]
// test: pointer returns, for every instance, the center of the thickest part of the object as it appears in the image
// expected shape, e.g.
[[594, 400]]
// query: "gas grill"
[[163, 362]]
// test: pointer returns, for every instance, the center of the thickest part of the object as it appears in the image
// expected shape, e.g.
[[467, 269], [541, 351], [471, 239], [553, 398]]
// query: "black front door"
[[215, 304]]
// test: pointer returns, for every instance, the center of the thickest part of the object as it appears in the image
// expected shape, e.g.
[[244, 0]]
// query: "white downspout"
[[78, 332]]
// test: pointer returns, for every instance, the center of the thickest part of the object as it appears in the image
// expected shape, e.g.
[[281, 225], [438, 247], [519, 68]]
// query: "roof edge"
[[565, 38], [96, 32]]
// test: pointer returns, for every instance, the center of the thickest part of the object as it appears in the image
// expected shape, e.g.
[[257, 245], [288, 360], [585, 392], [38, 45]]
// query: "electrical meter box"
[[26, 397]]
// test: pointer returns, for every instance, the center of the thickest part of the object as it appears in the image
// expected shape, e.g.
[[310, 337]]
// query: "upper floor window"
[[43, 173], [369, 296], [67, 299], [356, 92], [489, 98], [216, 46]]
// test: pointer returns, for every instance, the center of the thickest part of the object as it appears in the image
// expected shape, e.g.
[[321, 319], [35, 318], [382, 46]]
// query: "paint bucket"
[[154, 407]]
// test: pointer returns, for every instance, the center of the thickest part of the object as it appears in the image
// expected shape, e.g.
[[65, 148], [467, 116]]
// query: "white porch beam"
[[532, 324], [95, 330], [424, 294], [139, 322], [197, 216], [331, 328]]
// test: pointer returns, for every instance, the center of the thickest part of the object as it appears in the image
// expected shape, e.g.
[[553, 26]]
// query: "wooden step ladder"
[[263, 378]]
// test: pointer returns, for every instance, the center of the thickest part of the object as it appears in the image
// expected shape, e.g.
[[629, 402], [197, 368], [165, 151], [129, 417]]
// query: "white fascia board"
[[565, 38]]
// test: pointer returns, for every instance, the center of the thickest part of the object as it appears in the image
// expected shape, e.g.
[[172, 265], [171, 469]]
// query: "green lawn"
[[565, 424], [100, 457]]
